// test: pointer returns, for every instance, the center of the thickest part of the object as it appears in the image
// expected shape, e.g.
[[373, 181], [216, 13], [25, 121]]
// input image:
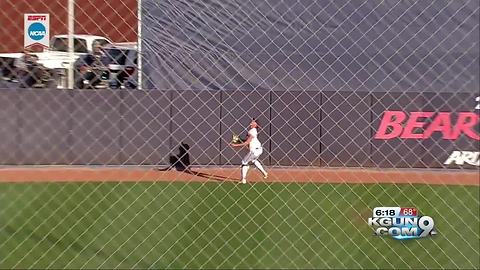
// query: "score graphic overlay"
[[401, 223]]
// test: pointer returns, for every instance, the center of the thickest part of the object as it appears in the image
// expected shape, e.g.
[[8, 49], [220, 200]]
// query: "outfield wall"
[[300, 128]]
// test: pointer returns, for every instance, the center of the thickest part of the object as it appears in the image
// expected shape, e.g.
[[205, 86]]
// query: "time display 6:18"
[[386, 211]]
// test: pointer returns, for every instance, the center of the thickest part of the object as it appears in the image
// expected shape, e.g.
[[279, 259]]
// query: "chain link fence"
[[360, 105]]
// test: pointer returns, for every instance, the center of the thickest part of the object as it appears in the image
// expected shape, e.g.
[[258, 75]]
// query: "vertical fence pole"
[[71, 56], [139, 43]]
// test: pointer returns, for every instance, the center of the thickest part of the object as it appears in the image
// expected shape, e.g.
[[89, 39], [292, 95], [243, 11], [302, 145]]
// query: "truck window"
[[61, 45], [102, 42], [133, 58], [116, 56]]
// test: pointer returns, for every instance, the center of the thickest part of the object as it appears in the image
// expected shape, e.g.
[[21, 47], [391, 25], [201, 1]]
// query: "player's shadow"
[[210, 176], [180, 162]]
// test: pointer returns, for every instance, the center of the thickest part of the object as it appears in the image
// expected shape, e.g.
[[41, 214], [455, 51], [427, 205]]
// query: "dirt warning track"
[[215, 174]]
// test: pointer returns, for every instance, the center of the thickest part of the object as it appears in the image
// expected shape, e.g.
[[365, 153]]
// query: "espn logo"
[[464, 157], [37, 17]]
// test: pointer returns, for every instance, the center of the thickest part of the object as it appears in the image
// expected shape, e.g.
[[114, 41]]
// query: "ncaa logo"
[[37, 31]]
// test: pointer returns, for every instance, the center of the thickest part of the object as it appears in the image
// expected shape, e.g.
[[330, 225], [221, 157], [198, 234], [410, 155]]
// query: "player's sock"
[[260, 167], [244, 171]]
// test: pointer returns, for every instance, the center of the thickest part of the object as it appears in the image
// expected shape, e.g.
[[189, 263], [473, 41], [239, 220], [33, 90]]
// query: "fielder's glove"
[[236, 139]]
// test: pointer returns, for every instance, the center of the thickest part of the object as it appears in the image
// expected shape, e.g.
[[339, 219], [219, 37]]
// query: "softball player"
[[255, 150]]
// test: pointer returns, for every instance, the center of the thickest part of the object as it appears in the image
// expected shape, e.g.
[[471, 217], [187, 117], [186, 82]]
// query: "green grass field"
[[225, 225]]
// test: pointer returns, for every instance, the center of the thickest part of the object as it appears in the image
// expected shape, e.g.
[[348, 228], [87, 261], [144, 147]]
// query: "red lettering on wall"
[[413, 123], [465, 123], [393, 125], [393, 120], [441, 123]]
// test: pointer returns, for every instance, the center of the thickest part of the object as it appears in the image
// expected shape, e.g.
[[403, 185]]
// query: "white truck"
[[56, 58]]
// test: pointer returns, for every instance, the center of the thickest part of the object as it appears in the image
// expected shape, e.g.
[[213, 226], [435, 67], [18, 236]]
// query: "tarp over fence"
[[312, 45]]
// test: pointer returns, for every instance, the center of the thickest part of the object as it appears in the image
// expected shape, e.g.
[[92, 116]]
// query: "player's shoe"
[[265, 176], [244, 181]]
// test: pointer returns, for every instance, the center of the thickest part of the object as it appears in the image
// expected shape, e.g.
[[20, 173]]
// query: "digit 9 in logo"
[[426, 224]]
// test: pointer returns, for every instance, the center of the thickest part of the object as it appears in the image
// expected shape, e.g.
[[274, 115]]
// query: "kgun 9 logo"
[[401, 223]]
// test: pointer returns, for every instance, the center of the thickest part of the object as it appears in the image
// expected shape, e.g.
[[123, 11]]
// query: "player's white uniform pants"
[[252, 157]]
